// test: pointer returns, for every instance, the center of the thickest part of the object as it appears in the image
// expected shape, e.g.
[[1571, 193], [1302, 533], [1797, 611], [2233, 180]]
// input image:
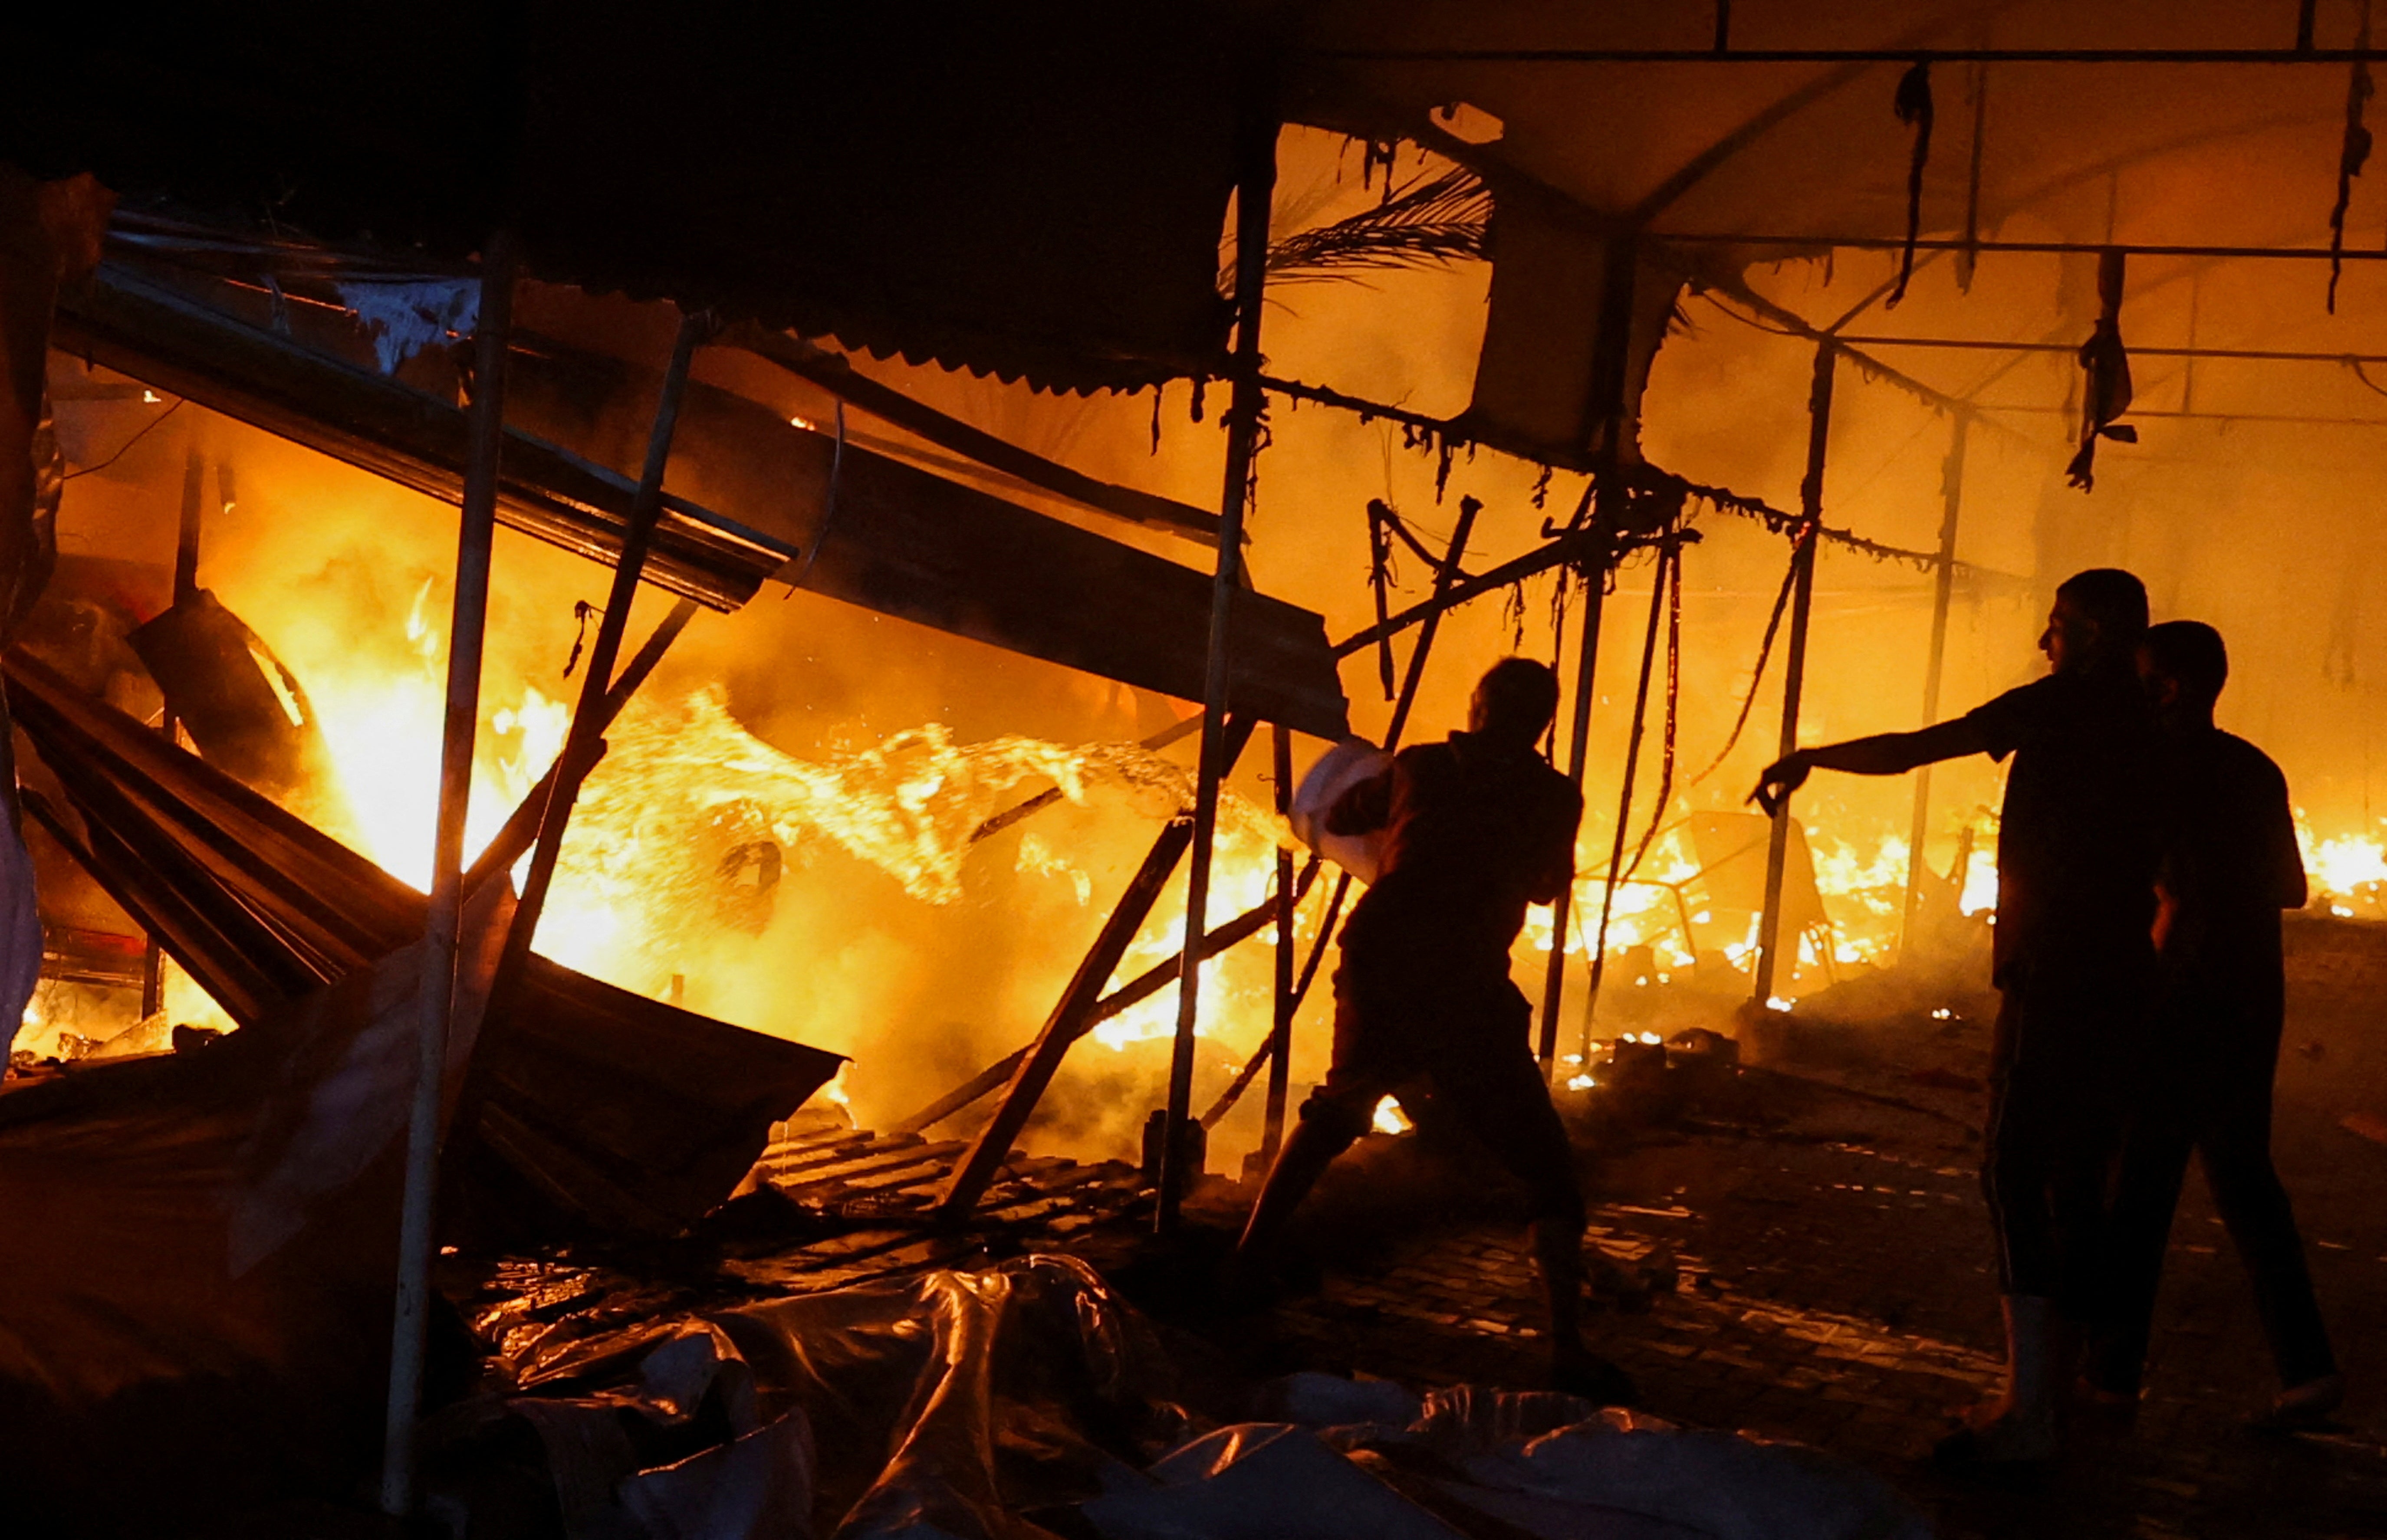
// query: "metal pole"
[[1279, 1081], [1952, 500], [467, 630], [1802, 598], [186, 585], [1578, 754], [1254, 184], [589, 717], [1668, 555]]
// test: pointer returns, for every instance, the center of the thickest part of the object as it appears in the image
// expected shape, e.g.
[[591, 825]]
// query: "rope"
[[1674, 705], [1764, 654], [1667, 554]]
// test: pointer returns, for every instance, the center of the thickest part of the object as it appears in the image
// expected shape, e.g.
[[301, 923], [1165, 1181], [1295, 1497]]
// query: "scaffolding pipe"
[[1255, 183], [590, 716], [468, 627], [186, 585], [1952, 501], [1578, 755], [1794, 672], [1280, 1042]]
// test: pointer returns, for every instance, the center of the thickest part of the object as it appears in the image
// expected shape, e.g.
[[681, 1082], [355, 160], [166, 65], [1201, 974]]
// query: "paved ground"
[[1833, 1282]]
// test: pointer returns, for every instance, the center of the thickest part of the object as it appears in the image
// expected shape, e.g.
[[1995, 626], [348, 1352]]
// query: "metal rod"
[[1255, 183], [521, 829], [1898, 242], [580, 744], [1952, 501], [1578, 758], [1666, 559], [1992, 344], [1051, 795], [186, 587], [831, 373], [1794, 671], [1444, 578], [1280, 1042], [1136, 990], [468, 628], [1854, 55], [186, 536]]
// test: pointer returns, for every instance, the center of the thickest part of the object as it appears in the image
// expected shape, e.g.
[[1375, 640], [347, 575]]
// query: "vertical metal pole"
[[1802, 598], [1668, 555], [467, 629], [590, 718], [186, 584], [1595, 571], [1255, 183], [1952, 501], [1279, 1075], [1611, 364]]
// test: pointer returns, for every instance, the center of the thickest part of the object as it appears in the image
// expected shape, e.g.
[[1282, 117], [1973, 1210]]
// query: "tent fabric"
[[1692, 156], [210, 1245], [1034, 190]]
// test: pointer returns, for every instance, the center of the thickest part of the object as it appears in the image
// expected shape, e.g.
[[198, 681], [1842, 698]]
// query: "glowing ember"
[[1390, 1119]]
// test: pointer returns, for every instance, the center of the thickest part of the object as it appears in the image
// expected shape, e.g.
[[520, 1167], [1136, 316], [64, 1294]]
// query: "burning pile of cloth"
[[1028, 1402]]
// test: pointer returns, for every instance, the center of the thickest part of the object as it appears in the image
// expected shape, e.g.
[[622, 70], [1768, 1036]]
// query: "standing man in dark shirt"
[[2073, 961], [1475, 829], [2229, 866]]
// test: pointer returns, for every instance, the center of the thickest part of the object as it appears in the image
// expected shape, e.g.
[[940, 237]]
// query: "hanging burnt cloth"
[[1914, 108], [2353, 152], [2105, 394]]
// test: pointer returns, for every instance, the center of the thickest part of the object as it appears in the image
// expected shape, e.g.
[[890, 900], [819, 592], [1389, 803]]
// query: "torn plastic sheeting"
[[948, 1404], [978, 1406], [206, 1277]]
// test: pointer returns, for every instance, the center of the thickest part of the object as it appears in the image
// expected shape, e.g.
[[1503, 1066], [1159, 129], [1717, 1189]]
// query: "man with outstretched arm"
[[1475, 829], [2229, 866], [2074, 962]]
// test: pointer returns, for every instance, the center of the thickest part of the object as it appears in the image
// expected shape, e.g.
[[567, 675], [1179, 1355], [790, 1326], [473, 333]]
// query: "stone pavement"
[[1833, 1284]]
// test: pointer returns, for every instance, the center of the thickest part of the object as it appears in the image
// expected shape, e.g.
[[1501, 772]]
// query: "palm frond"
[[1431, 223]]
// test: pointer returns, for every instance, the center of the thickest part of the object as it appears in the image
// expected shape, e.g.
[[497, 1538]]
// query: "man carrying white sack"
[[1475, 828]]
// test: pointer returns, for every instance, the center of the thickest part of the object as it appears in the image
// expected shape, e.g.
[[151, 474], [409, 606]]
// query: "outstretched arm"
[[1882, 754]]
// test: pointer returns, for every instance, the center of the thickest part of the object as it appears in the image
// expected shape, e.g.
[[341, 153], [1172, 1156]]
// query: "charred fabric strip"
[[239, 366], [609, 1106], [2352, 154], [1914, 108], [2106, 395]]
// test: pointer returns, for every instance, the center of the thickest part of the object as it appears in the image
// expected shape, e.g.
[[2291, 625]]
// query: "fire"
[[690, 815], [1390, 1119], [2347, 872], [1666, 907]]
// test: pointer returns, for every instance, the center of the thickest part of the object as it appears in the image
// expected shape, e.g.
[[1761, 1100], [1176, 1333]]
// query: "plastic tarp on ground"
[[1028, 1402]]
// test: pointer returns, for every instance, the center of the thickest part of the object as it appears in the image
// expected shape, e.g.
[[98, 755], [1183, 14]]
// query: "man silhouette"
[[2073, 963], [2229, 866], [1475, 829]]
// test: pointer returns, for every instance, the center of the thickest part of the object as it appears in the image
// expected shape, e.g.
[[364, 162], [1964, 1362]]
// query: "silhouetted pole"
[[186, 585], [468, 627], [1255, 183], [581, 745], [1794, 672], [1952, 500], [1578, 751], [1279, 1075]]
